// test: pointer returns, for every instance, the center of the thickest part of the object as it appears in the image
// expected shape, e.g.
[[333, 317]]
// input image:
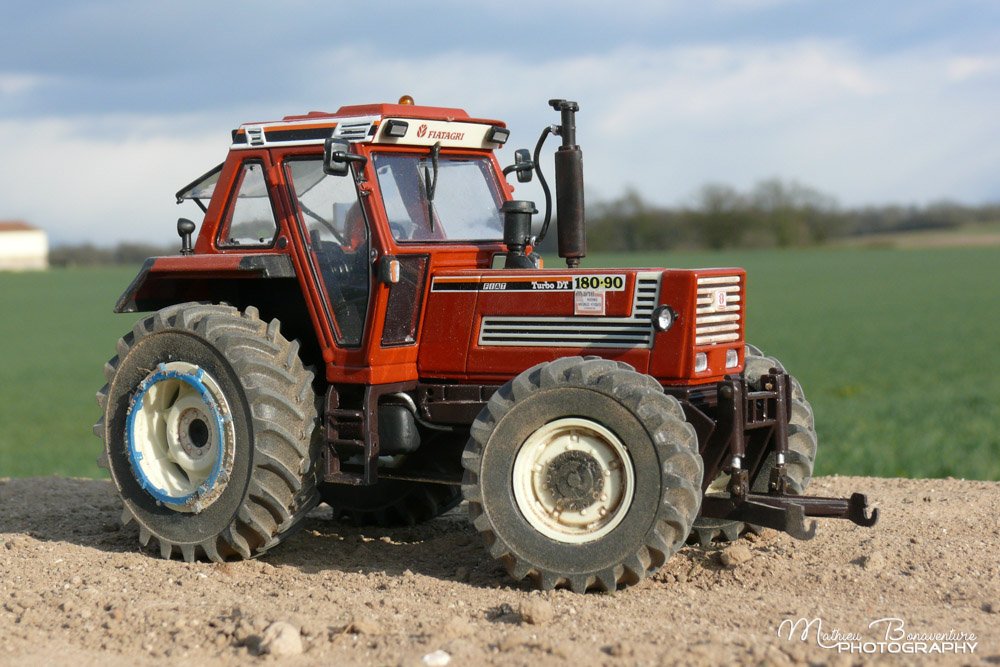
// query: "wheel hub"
[[573, 480], [193, 433], [180, 436]]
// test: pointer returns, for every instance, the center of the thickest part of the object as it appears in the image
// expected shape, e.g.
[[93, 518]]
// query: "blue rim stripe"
[[135, 457]]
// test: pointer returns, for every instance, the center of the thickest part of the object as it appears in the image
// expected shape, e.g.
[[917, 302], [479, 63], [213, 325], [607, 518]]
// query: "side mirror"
[[185, 228], [337, 157], [522, 165]]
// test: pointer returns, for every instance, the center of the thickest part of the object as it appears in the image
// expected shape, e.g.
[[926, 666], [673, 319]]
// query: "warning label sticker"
[[588, 302]]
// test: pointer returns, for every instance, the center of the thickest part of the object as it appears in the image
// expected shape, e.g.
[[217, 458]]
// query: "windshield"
[[466, 204]]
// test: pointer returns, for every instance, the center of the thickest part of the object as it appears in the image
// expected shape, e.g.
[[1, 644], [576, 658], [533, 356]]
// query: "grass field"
[[56, 332], [897, 351]]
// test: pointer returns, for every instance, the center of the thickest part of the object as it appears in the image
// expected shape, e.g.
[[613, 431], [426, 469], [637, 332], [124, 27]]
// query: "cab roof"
[[369, 122]]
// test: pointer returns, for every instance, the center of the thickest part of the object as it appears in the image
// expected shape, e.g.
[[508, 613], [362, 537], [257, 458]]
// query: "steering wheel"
[[318, 218], [402, 231]]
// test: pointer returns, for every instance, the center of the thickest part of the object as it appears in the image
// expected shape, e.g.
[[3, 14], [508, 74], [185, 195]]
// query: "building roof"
[[16, 226]]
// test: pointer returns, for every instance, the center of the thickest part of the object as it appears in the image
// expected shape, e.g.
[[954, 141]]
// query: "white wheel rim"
[[573, 480], [180, 436]]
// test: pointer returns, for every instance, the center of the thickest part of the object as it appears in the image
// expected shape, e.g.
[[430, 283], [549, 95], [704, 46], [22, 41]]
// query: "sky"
[[108, 108]]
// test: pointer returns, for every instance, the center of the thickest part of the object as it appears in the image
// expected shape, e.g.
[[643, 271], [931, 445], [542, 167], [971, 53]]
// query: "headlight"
[[664, 318], [732, 358], [700, 362]]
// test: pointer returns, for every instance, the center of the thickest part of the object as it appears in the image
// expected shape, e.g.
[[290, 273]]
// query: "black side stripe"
[[303, 134]]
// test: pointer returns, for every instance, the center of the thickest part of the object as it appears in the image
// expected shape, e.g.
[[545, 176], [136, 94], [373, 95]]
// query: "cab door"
[[336, 242]]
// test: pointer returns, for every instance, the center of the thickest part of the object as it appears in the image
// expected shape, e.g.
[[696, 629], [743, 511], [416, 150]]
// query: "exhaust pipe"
[[572, 231]]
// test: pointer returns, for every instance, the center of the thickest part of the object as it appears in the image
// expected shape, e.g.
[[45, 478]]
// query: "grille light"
[[732, 359], [498, 135], [700, 362], [396, 128], [664, 318]]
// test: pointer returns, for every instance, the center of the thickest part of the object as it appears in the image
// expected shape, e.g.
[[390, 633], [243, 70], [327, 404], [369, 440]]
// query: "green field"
[[897, 351], [56, 332]]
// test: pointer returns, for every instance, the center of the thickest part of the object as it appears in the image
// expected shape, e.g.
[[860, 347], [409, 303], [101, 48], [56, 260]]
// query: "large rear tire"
[[582, 473], [208, 422], [802, 446]]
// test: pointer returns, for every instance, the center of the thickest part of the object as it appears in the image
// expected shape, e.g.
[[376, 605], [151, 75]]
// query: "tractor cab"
[[358, 207]]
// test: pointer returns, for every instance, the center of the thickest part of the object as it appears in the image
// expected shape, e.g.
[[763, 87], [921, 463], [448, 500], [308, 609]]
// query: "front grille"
[[647, 289], [580, 331], [717, 319]]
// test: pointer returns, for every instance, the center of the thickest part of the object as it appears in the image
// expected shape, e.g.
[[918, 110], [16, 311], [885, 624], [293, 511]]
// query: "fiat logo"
[[718, 299], [422, 131]]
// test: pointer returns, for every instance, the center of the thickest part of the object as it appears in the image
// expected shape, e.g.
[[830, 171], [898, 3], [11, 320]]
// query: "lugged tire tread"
[[658, 412], [282, 485]]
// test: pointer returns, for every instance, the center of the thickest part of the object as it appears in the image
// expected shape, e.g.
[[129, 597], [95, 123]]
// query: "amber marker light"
[[406, 99]]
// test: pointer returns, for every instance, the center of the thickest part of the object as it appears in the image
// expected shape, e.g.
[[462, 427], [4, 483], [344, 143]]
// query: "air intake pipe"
[[572, 231]]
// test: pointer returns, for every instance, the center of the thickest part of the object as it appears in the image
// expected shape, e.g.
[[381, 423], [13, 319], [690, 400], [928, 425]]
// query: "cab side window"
[[249, 219]]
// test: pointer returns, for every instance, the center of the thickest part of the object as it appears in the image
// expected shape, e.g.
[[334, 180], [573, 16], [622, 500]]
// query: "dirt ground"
[[75, 588]]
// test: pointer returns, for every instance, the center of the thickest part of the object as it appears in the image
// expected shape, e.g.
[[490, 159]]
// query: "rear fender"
[[267, 282], [164, 281]]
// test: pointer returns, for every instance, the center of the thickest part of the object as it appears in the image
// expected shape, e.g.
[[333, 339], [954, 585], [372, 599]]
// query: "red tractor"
[[362, 320]]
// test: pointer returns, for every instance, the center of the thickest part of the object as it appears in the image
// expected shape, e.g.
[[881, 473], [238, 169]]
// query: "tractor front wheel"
[[582, 473]]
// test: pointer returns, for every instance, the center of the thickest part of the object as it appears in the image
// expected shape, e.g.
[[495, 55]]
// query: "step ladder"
[[351, 445]]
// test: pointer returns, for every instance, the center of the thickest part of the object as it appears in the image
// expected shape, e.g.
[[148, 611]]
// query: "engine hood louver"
[[579, 331]]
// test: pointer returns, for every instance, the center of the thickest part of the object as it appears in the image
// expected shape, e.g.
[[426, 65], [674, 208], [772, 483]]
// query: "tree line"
[[773, 213], [87, 254]]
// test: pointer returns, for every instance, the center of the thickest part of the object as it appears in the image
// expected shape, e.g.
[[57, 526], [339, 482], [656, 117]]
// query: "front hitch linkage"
[[768, 408]]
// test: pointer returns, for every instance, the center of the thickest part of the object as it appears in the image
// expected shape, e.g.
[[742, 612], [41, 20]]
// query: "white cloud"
[[866, 128], [16, 83], [905, 126], [72, 178], [962, 68]]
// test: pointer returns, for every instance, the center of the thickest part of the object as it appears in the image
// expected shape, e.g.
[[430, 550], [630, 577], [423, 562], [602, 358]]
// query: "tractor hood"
[[490, 325]]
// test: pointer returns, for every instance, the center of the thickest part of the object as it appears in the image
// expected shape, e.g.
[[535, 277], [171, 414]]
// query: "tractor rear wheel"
[[207, 425], [802, 444], [391, 502], [581, 472]]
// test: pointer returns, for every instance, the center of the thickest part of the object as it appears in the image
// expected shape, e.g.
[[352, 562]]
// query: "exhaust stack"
[[572, 232]]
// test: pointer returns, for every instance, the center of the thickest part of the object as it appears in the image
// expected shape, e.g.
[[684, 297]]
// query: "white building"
[[23, 247]]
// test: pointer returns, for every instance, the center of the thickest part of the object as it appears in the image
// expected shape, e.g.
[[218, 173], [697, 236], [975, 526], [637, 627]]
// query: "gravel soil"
[[76, 588]]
